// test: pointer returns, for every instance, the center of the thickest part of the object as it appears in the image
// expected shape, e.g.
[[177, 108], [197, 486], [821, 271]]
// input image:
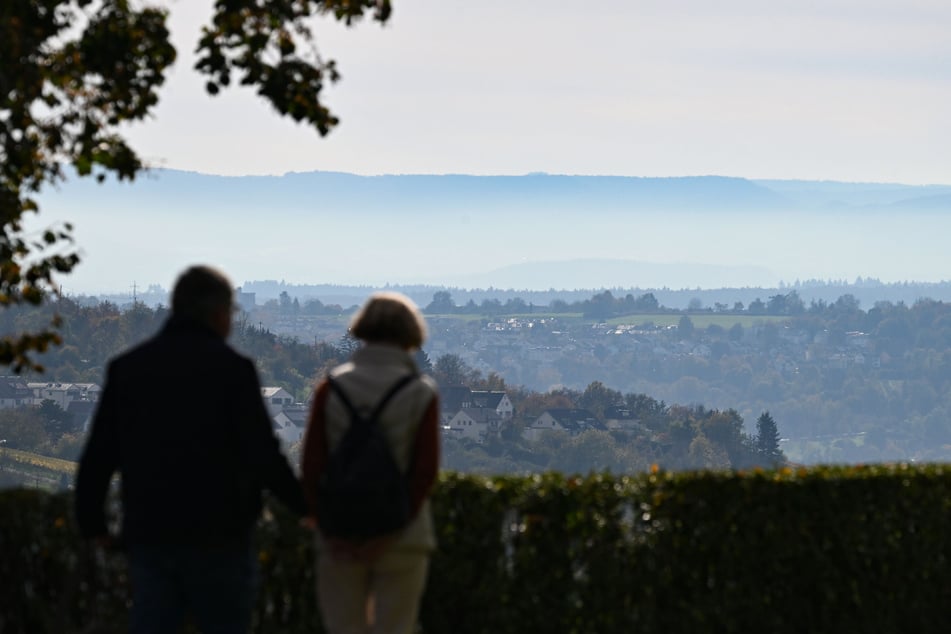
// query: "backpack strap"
[[374, 414]]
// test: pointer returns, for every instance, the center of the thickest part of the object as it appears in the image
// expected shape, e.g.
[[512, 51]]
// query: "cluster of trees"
[[601, 305], [287, 305], [884, 394], [681, 438], [76, 73], [93, 334], [46, 430], [672, 436], [605, 305], [676, 437], [850, 385]]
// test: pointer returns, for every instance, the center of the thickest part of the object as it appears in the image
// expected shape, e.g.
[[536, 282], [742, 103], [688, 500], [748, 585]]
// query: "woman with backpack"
[[370, 458]]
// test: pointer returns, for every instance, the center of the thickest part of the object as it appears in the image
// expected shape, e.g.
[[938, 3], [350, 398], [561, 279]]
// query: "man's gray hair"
[[200, 292]]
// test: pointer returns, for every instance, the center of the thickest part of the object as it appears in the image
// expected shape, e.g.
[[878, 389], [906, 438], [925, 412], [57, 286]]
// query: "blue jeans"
[[216, 584]]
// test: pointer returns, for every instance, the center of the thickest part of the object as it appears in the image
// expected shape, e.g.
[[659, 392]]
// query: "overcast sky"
[[855, 90]]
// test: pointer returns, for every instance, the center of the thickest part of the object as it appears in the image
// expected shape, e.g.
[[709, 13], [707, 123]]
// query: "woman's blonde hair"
[[391, 318]]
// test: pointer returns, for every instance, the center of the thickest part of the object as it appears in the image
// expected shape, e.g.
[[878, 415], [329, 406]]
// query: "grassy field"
[[700, 320], [661, 320], [22, 468], [36, 460]]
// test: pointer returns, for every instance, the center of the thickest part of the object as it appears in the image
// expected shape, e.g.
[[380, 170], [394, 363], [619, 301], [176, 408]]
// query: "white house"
[[276, 399], [88, 391], [544, 423], [497, 401], [572, 421], [14, 393], [458, 398], [60, 393], [290, 424], [474, 423], [452, 399]]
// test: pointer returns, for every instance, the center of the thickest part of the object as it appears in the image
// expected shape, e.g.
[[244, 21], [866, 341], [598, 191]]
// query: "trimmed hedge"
[[841, 549]]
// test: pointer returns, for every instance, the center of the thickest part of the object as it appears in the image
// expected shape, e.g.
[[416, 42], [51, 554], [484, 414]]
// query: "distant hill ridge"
[[423, 192]]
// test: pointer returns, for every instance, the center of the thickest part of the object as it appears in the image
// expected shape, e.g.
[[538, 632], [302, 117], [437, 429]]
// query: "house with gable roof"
[[457, 398], [452, 399], [473, 423], [89, 391], [77, 400], [570, 420], [495, 400], [276, 399], [60, 393], [290, 423], [14, 393]]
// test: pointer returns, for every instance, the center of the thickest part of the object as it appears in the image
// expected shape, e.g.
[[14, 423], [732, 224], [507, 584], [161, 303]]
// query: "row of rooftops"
[[14, 389], [456, 397]]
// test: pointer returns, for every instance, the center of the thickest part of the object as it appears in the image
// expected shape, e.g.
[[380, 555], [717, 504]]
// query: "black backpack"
[[362, 493]]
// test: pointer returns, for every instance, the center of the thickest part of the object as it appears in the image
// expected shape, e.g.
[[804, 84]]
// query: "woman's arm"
[[425, 466], [314, 451]]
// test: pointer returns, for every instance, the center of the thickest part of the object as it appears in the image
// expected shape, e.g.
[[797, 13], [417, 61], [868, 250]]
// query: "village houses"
[[569, 420], [78, 400], [288, 418], [473, 414]]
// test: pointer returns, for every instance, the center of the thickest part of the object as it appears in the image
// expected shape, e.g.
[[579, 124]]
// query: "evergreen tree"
[[423, 362], [56, 422], [767, 440]]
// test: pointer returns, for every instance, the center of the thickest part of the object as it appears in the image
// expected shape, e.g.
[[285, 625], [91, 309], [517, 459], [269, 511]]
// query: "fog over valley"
[[502, 232]]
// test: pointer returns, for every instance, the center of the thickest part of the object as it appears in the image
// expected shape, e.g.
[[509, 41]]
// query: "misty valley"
[[601, 381]]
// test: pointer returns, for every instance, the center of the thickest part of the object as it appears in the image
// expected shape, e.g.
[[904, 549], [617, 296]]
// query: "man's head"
[[204, 295]]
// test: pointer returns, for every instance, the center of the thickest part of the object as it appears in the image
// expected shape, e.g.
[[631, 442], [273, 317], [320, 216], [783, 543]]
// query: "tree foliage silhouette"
[[767, 440], [73, 72]]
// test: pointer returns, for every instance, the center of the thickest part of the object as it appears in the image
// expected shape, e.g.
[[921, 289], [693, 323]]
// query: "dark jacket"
[[182, 420]]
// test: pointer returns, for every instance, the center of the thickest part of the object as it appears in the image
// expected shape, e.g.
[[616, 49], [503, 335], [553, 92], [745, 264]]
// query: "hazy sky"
[[855, 90], [848, 90]]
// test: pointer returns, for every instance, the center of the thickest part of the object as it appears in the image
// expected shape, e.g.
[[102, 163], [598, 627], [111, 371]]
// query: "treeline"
[[683, 438], [866, 290], [287, 305], [849, 384], [671, 436], [92, 335], [46, 430], [601, 304], [604, 305], [846, 384]]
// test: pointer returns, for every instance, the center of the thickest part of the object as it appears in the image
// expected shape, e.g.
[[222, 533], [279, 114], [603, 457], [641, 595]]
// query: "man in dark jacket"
[[182, 420]]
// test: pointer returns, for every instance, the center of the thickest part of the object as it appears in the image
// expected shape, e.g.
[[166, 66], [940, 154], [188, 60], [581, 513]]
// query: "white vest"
[[365, 379]]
